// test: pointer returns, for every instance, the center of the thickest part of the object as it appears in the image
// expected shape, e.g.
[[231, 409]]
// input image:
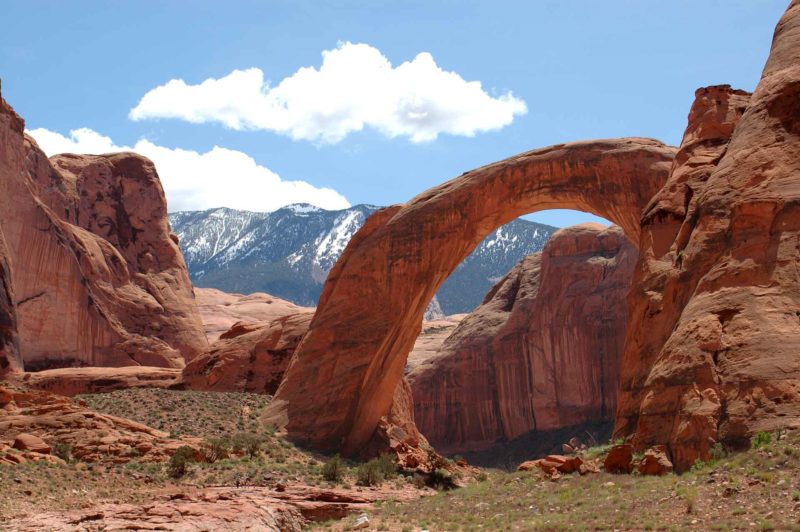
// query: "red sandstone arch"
[[342, 378]]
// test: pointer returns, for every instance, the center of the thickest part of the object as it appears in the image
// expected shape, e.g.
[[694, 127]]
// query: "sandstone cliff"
[[9, 348], [250, 357], [542, 352], [711, 353], [220, 310], [98, 277]]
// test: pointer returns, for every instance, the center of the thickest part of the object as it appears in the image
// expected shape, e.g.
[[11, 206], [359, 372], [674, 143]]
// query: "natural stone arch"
[[342, 377]]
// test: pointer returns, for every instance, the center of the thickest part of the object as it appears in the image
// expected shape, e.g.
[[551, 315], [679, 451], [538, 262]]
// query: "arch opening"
[[342, 378], [538, 361]]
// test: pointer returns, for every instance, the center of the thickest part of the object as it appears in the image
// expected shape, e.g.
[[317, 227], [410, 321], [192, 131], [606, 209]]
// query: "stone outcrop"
[[341, 380], [711, 353], [250, 357], [541, 353], [291, 509], [9, 345], [74, 381], [220, 310], [91, 436], [98, 278], [430, 340]]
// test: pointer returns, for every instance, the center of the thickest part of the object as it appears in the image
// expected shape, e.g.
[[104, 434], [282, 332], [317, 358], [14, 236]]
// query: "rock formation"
[[74, 381], [711, 353], [9, 345], [92, 437], [250, 357], [220, 310], [98, 277], [342, 378], [541, 353], [430, 340]]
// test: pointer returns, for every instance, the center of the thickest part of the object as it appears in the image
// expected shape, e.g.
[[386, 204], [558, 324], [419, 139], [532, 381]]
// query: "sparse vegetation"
[[761, 439], [62, 450], [375, 471], [333, 470], [179, 462]]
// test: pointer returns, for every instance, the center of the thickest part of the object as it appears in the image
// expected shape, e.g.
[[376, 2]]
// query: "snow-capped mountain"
[[289, 252]]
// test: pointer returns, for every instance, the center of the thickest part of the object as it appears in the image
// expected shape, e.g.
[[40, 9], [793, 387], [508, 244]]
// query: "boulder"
[[541, 353], [29, 442], [655, 462], [554, 465], [619, 459], [98, 278]]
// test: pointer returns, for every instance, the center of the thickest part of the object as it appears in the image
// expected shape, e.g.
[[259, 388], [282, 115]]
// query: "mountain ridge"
[[289, 252]]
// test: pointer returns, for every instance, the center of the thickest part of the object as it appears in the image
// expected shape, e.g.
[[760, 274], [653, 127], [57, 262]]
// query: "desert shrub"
[[718, 451], [62, 450], [441, 479], [761, 439], [179, 462], [333, 470], [248, 443], [215, 449], [376, 471]]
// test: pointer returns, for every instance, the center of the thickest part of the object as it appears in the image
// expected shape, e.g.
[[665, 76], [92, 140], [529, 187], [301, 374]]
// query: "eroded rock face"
[[98, 278], [250, 357], [220, 310], [92, 437], [9, 345], [74, 381], [711, 354], [342, 379], [541, 353]]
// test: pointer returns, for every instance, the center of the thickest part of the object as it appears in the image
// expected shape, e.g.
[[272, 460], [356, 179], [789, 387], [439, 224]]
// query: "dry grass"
[[755, 490]]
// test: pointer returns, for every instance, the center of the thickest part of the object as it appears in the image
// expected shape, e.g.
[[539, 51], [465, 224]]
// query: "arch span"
[[342, 378]]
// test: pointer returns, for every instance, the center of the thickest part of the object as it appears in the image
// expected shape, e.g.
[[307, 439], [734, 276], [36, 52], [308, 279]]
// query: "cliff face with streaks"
[[711, 354], [542, 352], [98, 277], [9, 345]]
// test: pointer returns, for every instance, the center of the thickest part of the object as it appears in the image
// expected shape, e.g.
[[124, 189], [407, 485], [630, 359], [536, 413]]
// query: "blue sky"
[[584, 69]]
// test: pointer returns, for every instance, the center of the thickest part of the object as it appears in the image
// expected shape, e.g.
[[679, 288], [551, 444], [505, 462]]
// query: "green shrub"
[[441, 479], [761, 439], [179, 462], [718, 451], [215, 449], [62, 450], [333, 470], [375, 471], [248, 443]]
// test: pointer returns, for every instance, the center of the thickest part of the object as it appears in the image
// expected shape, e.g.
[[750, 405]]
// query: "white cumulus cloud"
[[195, 181], [355, 87]]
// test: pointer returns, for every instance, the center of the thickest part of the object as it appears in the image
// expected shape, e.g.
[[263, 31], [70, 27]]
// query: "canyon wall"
[[711, 354], [98, 277], [9, 345], [542, 352]]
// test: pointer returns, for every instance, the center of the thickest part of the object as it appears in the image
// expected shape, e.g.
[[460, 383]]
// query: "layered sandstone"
[[711, 353], [542, 352], [343, 376], [250, 357], [430, 340], [220, 310], [92, 437], [74, 381], [9, 345], [98, 278]]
